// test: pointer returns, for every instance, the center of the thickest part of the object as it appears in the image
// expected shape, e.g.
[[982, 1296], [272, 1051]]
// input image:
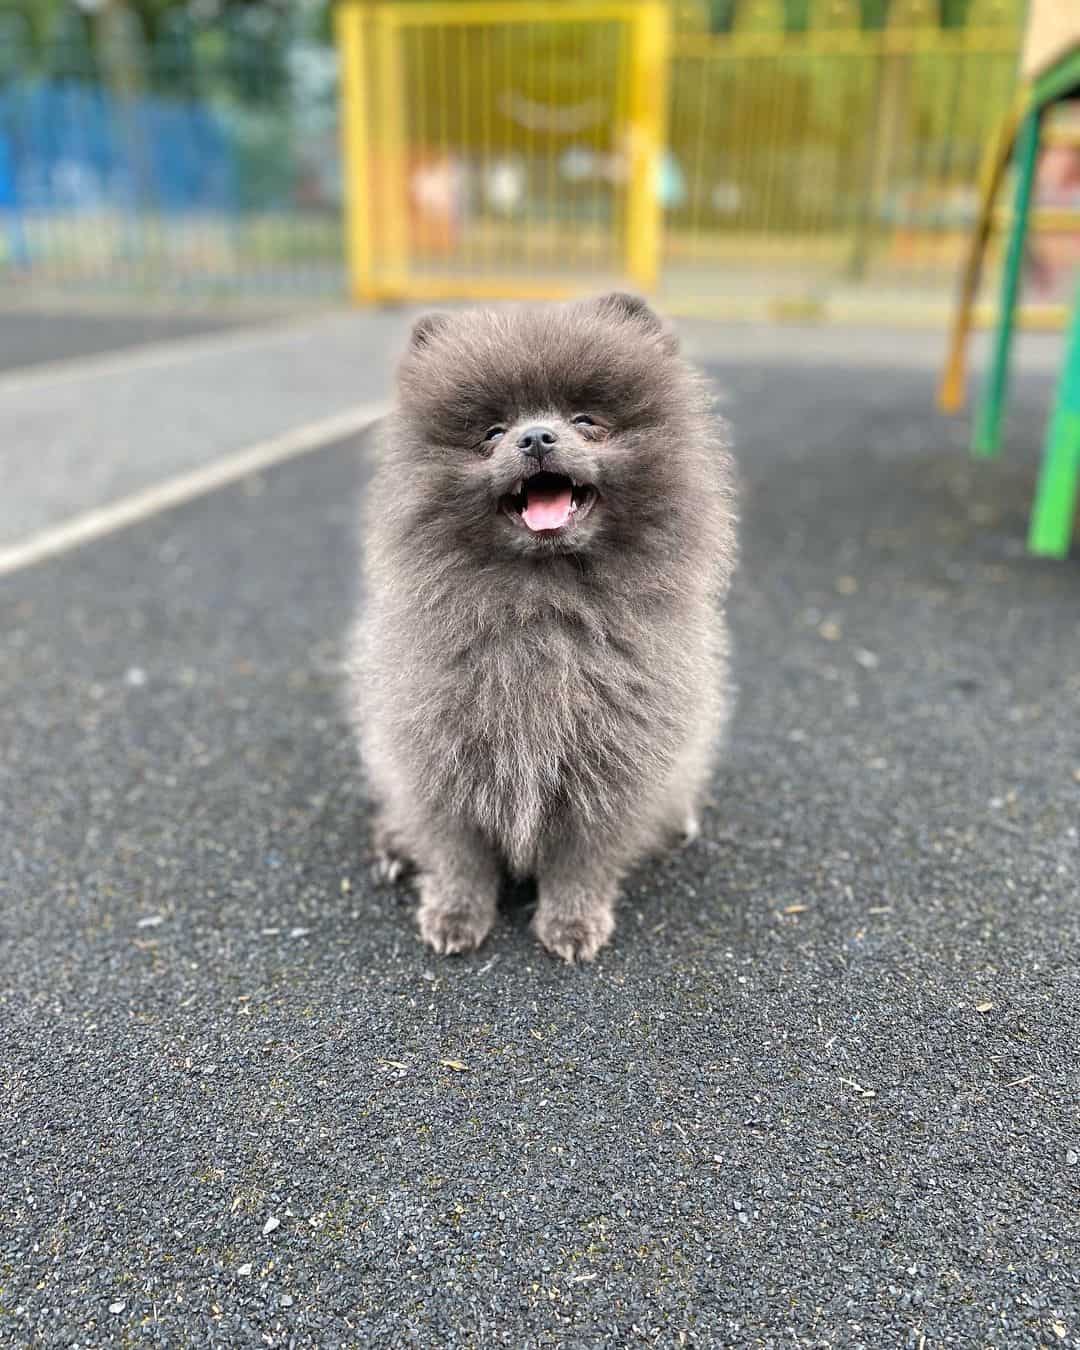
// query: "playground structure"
[[1050, 78]]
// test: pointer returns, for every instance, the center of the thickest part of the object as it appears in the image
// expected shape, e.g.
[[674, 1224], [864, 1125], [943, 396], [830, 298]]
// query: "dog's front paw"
[[455, 927], [575, 937]]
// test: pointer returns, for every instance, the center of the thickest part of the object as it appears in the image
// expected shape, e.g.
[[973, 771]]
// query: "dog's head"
[[548, 431]]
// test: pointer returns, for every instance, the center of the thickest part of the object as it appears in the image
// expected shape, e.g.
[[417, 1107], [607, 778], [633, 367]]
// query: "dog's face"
[[545, 432]]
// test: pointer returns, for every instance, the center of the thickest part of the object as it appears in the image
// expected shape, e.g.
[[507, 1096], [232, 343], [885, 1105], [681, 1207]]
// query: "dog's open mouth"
[[547, 502]]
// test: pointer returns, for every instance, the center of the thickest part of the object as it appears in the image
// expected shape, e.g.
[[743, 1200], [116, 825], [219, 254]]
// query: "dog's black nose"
[[537, 441]]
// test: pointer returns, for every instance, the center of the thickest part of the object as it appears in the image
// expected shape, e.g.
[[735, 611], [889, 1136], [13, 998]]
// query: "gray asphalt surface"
[[93, 432], [821, 1091], [31, 337]]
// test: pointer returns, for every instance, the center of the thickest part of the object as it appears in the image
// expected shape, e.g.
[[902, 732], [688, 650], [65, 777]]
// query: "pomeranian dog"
[[539, 675]]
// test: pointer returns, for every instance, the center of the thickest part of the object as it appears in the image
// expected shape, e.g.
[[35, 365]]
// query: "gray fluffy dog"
[[539, 678]]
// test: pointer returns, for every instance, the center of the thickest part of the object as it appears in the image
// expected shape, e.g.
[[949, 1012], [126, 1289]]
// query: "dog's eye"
[[583, 420], [493, 433]]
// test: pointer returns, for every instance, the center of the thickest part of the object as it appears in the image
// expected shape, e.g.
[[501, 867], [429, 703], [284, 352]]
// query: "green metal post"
[[1054, 511], [987, 438]]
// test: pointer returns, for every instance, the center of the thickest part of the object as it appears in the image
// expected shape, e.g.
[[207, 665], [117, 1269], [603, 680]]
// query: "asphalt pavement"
[[31, 337], [823, 1088], [81, 434]]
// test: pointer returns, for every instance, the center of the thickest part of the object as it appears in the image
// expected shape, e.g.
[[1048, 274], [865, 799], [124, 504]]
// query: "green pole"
[[1054, 511], [987, 437]]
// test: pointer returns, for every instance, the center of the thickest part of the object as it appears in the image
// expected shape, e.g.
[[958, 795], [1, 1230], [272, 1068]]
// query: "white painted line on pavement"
[[118, 515]]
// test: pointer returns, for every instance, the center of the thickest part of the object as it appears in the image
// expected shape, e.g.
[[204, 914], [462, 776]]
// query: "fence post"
[[650, 64], [391, 160], [351, 31]]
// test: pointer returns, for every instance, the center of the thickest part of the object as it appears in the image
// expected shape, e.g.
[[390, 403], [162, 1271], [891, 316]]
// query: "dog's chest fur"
[[533, 724]]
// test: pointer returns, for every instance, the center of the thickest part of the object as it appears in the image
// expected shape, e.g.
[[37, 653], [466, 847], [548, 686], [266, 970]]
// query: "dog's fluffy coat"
[[549, 703]]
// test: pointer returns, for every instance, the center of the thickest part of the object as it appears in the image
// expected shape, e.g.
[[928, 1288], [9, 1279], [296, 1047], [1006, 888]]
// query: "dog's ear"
[[425, 328], [623, 307]]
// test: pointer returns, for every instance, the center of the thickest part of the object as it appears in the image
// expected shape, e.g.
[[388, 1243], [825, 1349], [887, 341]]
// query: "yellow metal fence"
[[502, 148], [526, 148]]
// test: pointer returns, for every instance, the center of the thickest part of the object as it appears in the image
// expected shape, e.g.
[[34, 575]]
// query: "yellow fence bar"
[[352, 37], [484, 12], [649, 64], [391, 159]]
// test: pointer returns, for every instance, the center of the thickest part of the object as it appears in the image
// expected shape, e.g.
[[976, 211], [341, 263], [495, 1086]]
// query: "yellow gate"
[[502, 148]]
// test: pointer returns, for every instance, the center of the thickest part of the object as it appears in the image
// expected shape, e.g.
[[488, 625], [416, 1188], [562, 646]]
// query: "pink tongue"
[[547, 510]]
